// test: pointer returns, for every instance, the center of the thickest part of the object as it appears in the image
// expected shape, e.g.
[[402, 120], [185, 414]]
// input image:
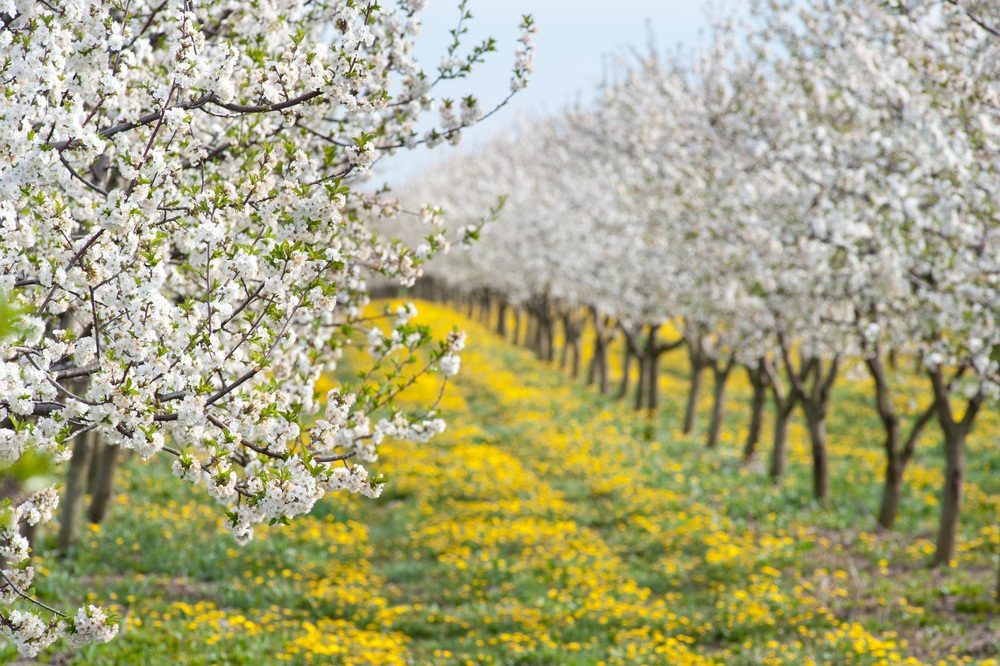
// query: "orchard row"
[[812, 190]]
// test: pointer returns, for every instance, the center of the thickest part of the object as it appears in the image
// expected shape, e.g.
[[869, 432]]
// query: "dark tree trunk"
[[816, 420], [698, 362], [570, 356], [653, 383], [550, 339], [720, 375], [517, 326], [573, 325], [897, 453], [608, 336], [779, 450], [76, 483], [642, 384], [691, 411], [502, 320], [597, 369], [535, 334], [92, 468], [485, 309], [626, 371], [105, 461], [758, 380], [892, 491], [816, 404], [602, 370], [955, 432], [595, 360], [564, 353], [652, 356], [543, 316], [575, 356], [541, 339], [784, 405], [951, 495], [892, 488]]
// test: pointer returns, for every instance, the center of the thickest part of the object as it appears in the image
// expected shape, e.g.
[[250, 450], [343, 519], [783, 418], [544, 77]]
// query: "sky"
[[574, 39]]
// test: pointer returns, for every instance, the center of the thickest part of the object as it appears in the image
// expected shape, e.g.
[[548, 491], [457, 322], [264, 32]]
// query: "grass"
[[551, 526]]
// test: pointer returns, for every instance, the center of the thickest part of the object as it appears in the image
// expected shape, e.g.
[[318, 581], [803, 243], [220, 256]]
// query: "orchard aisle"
[[554, 532], [520, 522], [545, 526]]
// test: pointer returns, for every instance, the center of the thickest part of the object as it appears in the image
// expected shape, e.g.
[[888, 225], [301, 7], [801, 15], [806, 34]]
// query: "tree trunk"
[[653, 383], [92, 468], [784, 404], [535, 334], [652, 371], [816, 419], [721, 377], [542, 334], [897, 453], [815, 404], [692, 400], [779, 451], [570, 355], [955, 431], [759, 402], [575, 356], [592, 368], [564, 353], [892, 490], [105, 460], [541, 339], [486, 310], [626, 372], [602, 369], [517, 326], [76, 483], [641, 385], [951, 494], [502, 320], [550, 339]]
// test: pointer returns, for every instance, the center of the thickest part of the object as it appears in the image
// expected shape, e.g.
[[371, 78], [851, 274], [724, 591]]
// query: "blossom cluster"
[[29, 629]]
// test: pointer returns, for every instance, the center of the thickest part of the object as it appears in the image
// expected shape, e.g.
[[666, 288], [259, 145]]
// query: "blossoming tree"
[[182, 234]]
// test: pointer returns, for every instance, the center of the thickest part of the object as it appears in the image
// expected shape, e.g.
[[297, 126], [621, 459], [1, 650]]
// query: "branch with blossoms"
[[30, 631], [975, 17], [351, 426]]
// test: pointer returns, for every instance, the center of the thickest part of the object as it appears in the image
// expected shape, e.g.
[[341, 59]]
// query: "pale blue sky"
[[574, 38]]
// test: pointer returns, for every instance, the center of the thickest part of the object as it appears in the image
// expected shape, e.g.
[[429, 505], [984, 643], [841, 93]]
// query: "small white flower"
[[450, 364]]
